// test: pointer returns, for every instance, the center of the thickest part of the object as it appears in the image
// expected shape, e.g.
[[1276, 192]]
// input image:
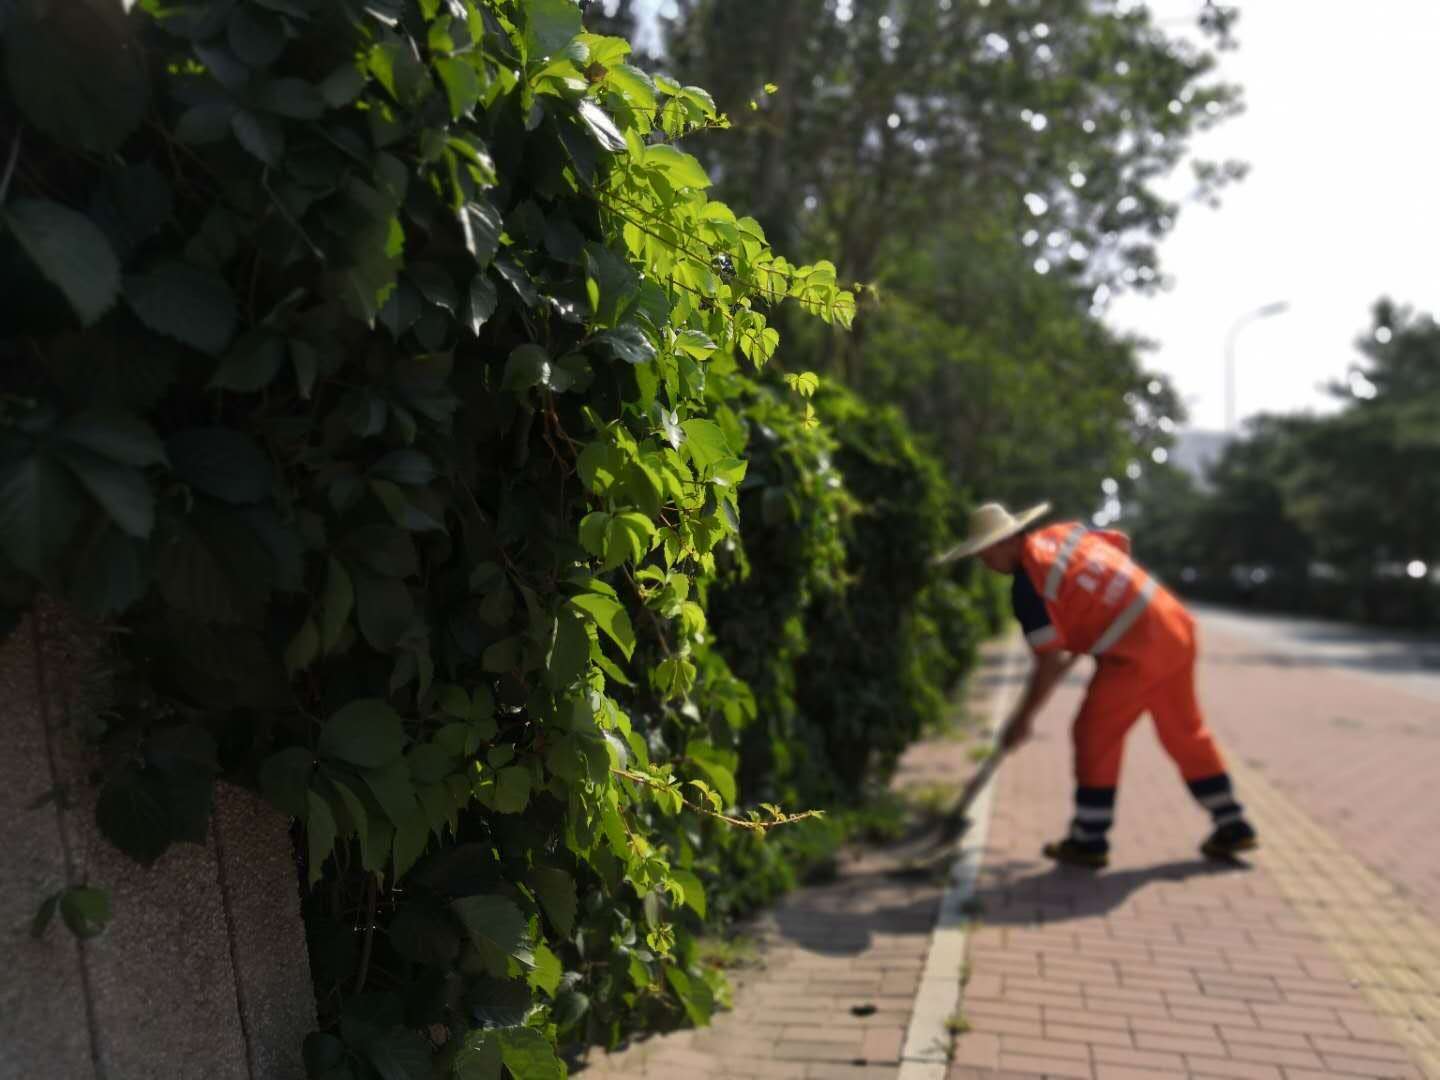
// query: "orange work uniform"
[[1078, 590]]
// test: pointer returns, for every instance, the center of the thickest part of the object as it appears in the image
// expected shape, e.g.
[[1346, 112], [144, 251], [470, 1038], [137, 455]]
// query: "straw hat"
[[989, 524]]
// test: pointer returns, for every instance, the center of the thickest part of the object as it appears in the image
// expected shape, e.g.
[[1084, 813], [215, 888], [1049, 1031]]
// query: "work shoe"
[[1074, 853], [1229, 840]]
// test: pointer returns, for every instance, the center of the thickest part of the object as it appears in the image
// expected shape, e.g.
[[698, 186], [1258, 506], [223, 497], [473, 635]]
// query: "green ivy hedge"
[[383, 371]]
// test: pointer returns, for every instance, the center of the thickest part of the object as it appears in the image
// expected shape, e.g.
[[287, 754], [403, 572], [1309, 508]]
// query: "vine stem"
[[740, 823], [369, 934], [10, 167]]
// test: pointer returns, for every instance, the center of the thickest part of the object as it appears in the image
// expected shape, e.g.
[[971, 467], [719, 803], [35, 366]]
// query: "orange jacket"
[[1094, 592]]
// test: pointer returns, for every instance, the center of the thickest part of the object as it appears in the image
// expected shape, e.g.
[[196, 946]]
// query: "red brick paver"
[[1165, 965]]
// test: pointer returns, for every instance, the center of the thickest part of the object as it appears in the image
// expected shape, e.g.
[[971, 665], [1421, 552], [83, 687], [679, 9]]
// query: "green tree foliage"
[[387, 372], [989, 171], [1330, 510]]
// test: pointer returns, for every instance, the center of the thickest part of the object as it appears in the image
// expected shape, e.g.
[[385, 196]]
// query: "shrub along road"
[[1320, 957]]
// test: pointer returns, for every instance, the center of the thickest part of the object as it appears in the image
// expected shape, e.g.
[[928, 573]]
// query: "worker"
[[1077, 591]]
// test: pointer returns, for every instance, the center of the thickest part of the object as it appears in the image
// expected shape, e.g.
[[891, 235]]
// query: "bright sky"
[[1339, 208], [1342, 204]]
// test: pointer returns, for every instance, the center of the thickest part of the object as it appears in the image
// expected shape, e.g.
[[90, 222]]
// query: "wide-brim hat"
[[990, 524]]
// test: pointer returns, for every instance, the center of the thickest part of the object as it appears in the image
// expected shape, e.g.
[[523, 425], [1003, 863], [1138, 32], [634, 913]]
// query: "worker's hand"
[[1017, 732]]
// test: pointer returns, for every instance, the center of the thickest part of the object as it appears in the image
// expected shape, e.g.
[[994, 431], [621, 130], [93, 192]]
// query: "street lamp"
[[1244, 320]]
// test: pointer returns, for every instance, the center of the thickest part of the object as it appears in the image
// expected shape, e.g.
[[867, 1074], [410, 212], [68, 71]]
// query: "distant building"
[[1195, 451]]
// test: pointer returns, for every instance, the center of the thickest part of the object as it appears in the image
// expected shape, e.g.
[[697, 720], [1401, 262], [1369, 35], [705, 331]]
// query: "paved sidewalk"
[[1167, 966], [1309, 962]]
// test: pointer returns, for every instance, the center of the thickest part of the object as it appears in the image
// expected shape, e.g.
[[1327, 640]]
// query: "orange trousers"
[[1151, 669]]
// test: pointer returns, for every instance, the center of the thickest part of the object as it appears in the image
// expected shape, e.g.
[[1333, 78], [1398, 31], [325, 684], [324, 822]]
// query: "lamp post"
[[1244, 320]]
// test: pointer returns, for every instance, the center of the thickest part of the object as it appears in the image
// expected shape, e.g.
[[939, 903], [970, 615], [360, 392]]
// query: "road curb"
[[925, 1054]]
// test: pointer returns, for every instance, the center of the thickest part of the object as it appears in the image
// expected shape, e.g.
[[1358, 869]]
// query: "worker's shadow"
[[1016, 894]]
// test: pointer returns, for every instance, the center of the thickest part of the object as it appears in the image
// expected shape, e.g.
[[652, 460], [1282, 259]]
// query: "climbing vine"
[[379, 369]]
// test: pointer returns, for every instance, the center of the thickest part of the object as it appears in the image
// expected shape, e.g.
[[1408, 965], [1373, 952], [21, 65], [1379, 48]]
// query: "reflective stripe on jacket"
[[1093, 591]]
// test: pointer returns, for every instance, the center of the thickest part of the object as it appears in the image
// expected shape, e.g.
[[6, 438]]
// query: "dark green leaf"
[[319, 834], [394, 791], [405, 467], [43, 916], [133, 813], [601, 126], [201, 125], [76, 72], [694, 891], [512, 789], [400, 1055], [261, 135], [435, 285], [86, 911], [498, 1003], [527, 366], [118, 436], [252, 364], [222, 463], [627, 343], [496, 927], [611, 617], [570, 1007], [556, 890], [119, 489], [322, 1052], [338, 602], [529, 1055], [109, 576], [285, 779], [40, 505], [384, 608], [183, 748], [479, 1058], [481, 225], [550, 25], [190, 304], [386, 550], [294, 98], [256, 37], [480, 302], [694, 995], [131, 205], [462, 85], [367, 733], [342, 86], [426, 935], [70, 252]]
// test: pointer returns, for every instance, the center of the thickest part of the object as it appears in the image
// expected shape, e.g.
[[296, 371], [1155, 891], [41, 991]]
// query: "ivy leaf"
[[705, 443], [694, 891], [601, 126], [76, 72], [480, 302], [260, 135], [529, 1055], [221, 462], [188, 303], [40, 505], [627, 343], [384, 608], [133, 813], [120, 490], [400, 1055], [110, 576], [512, 789], [86, 911], [480, 224], [547, 972], [119, 436], [426, 935], [304, 647], [694, 995], [366, 733], [498, 1003], [550, 25], [342, 86], [285, 780], [571, 651], [70, 251], [256, 37], [678, 167], [527, 366], [462, 85], [496, 927], [405, 467], [805, 383], [319, 834], [611, 617], [479, 1058], [556, 892], [336, 605]]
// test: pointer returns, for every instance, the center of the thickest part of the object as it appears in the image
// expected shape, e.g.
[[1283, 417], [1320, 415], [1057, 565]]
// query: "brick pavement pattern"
[[1321, 958], [1303, 964]]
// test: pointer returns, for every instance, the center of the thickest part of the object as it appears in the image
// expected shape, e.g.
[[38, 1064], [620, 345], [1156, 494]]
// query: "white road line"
[[925, 1055]]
